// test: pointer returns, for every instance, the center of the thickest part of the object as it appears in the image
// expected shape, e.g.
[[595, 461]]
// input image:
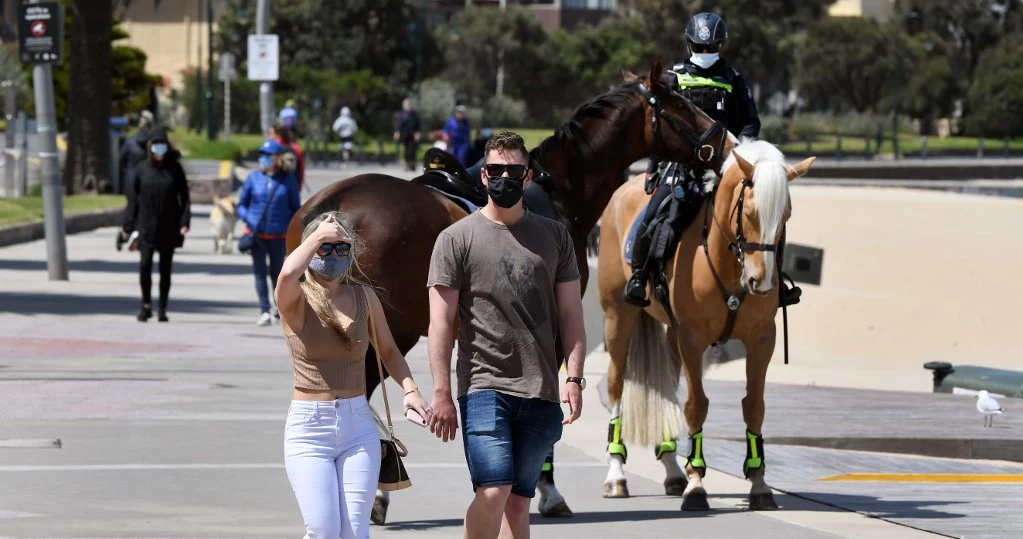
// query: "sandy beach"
[[909, 276]]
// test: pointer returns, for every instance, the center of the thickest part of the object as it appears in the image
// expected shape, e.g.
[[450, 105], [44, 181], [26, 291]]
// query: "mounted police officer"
[[719, 90]]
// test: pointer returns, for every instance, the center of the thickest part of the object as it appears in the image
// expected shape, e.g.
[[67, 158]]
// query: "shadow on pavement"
[[130, 266], [70, 304], [875, 506]]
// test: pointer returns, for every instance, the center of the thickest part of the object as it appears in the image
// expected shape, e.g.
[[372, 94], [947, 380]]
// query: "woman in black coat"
[[160, 213]]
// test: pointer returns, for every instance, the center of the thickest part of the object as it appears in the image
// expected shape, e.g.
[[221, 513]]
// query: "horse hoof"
[[558, 510], [762, 502], [675, 486], [695, 501], [379, 514], [616, 489]]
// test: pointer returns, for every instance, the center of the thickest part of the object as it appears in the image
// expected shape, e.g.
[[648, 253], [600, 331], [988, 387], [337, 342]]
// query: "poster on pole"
[[263, 57], [41, 33]]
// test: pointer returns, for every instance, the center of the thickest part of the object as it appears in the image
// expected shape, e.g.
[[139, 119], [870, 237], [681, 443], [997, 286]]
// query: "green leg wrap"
[[667, 446], [614, 440], [754, 453], [696, 453]]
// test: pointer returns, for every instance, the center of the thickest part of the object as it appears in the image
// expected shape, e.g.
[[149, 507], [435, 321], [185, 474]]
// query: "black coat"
[[160, 206], [132, 153]]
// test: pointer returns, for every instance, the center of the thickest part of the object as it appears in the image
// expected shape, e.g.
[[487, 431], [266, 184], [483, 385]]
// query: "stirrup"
[[635, 292], [790, 296]]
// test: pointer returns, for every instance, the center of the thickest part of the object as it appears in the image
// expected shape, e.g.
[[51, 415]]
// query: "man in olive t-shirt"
[[511, 278]]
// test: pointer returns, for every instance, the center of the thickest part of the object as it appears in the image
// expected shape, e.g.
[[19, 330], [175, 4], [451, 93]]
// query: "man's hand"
[[444, 421], [572, 393], [184, 230]]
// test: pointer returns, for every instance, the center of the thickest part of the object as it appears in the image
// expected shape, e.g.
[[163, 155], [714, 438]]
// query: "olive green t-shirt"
[[508, 317]]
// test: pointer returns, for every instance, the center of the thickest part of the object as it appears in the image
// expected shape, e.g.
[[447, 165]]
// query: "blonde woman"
[[330, 316]]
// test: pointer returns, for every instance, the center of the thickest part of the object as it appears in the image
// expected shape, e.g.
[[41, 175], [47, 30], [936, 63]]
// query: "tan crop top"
[[321, 360]]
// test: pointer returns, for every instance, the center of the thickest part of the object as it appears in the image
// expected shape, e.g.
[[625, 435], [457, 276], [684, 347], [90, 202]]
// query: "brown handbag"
[[392, 472]]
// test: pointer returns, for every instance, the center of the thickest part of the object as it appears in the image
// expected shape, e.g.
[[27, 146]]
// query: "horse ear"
[[628, 76], [744, 166], [654, 76], [801, 168]]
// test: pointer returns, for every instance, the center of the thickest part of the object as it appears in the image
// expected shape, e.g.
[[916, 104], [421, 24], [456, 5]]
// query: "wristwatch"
[[577, 379]]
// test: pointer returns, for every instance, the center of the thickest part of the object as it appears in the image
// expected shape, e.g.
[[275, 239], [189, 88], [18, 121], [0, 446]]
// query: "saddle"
[[443, 172]]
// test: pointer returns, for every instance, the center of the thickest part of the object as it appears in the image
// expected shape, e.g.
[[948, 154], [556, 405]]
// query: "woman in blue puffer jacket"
[[268, 201]]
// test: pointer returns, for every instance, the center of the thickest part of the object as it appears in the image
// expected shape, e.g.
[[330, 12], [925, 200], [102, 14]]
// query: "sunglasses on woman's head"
[[515, 172], [342, 249]]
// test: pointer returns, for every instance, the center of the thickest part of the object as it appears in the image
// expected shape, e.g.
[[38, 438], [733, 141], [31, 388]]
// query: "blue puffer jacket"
[[254, 197]]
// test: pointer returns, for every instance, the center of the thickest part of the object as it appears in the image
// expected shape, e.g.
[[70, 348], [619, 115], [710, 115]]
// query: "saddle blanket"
[[630, 240]]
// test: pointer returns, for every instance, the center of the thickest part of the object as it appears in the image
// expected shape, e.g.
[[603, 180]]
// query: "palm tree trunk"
[[88, 158]]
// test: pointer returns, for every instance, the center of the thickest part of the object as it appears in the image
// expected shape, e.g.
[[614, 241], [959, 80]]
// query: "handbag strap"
[[266, 208], [383, 382]]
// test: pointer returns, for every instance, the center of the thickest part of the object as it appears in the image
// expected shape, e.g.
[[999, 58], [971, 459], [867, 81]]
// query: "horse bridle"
[[700, 145], [739, 247]]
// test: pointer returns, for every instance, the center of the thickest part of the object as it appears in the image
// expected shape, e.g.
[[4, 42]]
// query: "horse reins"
[[738, 248], [700, 145]]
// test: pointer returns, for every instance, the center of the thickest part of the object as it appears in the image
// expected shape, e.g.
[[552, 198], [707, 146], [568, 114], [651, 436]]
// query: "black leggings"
[[146, 273]]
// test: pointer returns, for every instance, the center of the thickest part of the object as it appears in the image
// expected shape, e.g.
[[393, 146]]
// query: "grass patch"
[[30, 208], [908, 144], [195, 146]]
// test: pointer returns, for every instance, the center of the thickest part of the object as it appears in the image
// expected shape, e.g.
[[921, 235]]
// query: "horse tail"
[[650, 410]]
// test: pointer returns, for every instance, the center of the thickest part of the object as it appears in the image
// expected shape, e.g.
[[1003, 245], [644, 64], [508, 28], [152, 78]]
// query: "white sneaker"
[[264, 320]]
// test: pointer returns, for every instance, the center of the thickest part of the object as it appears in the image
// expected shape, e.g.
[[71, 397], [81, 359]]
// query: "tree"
[[473, 39], [846, 62], [325, 48], [934, 86], [587, 62], [87, 166], [996, 93]]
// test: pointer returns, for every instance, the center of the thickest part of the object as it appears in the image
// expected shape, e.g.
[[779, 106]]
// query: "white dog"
[[222, 219]]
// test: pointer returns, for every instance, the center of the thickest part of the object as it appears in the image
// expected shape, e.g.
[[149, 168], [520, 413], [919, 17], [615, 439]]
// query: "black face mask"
[[505, 192]]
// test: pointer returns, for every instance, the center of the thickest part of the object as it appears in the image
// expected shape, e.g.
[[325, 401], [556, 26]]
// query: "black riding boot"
[[789, 296], [635, 289]]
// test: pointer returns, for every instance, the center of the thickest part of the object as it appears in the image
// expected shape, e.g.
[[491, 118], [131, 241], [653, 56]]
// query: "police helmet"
[[706, 29]]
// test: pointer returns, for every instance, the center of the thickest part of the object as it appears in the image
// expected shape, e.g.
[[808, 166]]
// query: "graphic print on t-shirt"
[[517, 273]]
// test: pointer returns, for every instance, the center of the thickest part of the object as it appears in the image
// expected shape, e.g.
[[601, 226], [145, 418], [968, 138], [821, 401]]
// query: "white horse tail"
[[650, 409]]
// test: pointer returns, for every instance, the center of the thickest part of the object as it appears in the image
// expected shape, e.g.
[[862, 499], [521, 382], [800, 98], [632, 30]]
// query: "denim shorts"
[[506, 438]]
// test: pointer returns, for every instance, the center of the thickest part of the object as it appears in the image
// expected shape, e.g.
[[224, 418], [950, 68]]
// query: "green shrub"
[[774, 129]]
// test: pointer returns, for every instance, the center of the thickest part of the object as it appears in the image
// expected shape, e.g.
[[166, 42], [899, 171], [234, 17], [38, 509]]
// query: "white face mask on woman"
[[705, 59]]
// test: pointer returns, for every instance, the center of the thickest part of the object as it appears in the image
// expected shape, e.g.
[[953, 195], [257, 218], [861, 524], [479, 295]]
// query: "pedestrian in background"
[[296, 161], [458, 134], [407, 132], [268, 201], [345, 127], [160, 213]]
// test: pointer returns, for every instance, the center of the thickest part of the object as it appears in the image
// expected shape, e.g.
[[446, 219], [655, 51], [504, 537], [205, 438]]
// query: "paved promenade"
[[113, 428]]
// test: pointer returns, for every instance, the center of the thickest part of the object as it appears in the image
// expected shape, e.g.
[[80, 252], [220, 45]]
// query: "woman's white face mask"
[[705, 59]]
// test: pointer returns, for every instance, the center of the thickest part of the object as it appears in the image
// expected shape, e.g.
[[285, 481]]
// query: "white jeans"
[[332, 456]]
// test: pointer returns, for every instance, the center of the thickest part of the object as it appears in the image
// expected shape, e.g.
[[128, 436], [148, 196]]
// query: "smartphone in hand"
[[413, 416]]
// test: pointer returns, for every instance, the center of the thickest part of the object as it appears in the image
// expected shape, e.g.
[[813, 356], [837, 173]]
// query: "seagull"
[[988, 406]]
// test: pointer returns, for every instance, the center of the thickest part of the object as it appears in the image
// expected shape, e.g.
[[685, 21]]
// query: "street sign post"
[[227, 74], [41, 42], [263, 57]]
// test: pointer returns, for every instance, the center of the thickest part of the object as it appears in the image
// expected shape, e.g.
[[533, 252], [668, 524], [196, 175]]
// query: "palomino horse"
[[722, 284], [399, 220]]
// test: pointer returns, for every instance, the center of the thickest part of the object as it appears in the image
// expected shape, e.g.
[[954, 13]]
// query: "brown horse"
[[586, 158], [722, 283]]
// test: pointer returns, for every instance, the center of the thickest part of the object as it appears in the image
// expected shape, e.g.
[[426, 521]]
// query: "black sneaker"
[[145, 313], [162, 316]]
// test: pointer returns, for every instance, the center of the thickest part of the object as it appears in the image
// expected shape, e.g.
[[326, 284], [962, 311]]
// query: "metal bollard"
[[976, 378]]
